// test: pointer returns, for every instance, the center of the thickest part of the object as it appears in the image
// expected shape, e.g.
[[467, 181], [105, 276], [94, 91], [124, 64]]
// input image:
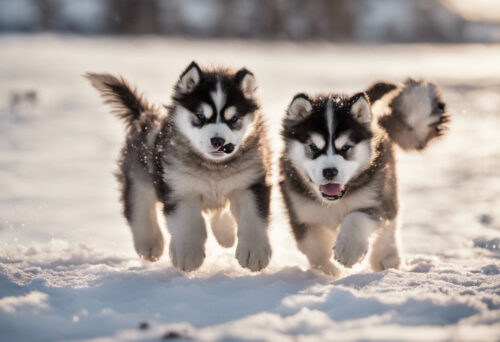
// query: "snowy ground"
[[67, 266]]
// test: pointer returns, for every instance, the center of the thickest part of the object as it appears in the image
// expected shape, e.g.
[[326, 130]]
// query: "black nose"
[[330, 173], [217, 142]]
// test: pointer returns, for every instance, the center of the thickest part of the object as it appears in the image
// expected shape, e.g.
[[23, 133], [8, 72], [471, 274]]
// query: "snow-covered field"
[[68, 270]]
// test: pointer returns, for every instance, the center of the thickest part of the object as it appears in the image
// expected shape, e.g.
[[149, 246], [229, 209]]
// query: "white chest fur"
[[331, 215], [213, 188]]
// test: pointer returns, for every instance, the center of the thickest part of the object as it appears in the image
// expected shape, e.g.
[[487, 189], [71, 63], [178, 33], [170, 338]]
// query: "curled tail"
[[414, 114], [127, 104]]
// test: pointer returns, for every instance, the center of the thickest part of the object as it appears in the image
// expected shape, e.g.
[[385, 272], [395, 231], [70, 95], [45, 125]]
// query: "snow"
[[68, 270], [34, 299]]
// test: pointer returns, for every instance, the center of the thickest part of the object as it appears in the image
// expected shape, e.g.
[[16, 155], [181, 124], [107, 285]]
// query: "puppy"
[[207, 155], [337, 170]]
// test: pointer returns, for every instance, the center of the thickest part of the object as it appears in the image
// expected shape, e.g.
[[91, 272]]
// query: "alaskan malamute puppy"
[[338, 176], [207, 155]]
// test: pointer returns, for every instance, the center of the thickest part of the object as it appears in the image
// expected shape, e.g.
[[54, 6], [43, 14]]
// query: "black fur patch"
[[163, 190], [262, 193], [126, 102], [230, 84], [133, 163], [129, 98], [241, 74], [299, 229], [378, 90], [317, 122], [126, 199]]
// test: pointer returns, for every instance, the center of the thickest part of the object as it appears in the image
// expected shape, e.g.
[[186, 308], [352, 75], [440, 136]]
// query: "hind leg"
[[317, 244], [224, 227], [140, 210], [385, 250]]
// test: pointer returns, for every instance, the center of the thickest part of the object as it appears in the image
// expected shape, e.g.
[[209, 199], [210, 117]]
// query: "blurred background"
[[331, 20], [68, 268]]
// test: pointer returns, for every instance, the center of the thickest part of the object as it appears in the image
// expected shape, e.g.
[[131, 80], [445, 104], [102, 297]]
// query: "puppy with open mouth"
[[337, 170], [207, 155]]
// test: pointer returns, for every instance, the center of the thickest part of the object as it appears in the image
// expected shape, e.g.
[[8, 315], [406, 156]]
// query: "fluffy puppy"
[[208, 154], [337, 170]]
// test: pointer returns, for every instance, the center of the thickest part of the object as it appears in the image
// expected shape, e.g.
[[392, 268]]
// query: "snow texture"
[[68, 271]]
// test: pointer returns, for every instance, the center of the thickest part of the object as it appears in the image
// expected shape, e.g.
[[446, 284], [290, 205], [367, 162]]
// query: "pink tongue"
[[331, 189]]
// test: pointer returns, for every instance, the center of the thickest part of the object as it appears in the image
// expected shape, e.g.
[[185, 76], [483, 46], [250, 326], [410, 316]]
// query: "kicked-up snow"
[[68, 271]]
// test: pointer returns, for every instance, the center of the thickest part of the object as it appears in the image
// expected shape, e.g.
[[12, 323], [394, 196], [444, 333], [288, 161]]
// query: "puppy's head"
[[328, 139], [215, 109]]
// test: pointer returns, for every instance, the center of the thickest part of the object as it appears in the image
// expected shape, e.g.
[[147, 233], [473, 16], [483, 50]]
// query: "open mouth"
[[332, 191]]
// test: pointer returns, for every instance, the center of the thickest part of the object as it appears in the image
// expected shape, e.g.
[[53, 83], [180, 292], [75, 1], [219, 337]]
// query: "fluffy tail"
[[378, 90], [414, 114], [127, 104]]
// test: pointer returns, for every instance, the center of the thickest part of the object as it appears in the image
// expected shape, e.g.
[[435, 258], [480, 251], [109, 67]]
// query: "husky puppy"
[[207, 156], [337, 170]]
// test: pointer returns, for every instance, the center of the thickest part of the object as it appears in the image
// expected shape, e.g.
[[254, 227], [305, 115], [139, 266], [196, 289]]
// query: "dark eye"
[[441, 106], [201, 117], [345, 148], [234, 119], [314, 147]]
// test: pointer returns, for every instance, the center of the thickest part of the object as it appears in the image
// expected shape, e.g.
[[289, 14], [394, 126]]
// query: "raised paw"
[[151, 249], [186, 256], [348, 250], [254, 254]]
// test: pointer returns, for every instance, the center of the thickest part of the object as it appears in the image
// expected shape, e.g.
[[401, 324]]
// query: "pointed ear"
[[247, 82], [189, 78], [360, 108], [300, 107]]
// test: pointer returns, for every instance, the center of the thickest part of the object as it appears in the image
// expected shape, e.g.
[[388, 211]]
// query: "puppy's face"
[[328, 139], [215, 110]]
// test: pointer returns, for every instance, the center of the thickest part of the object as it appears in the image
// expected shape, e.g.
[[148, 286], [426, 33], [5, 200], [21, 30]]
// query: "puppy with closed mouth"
[[337, 170], [208, 154]]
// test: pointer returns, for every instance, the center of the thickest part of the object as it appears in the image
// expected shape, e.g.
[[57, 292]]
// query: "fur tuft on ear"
[[189, 78], [300, 107], [247, 82], [360, 108]]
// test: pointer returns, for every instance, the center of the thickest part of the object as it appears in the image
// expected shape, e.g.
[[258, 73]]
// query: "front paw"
[[150, 249], [254, 253], [348, 250], [186, 256]]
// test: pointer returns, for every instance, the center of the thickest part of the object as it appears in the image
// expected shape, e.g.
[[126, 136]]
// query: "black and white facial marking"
[[328, 139], [215, 109]]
